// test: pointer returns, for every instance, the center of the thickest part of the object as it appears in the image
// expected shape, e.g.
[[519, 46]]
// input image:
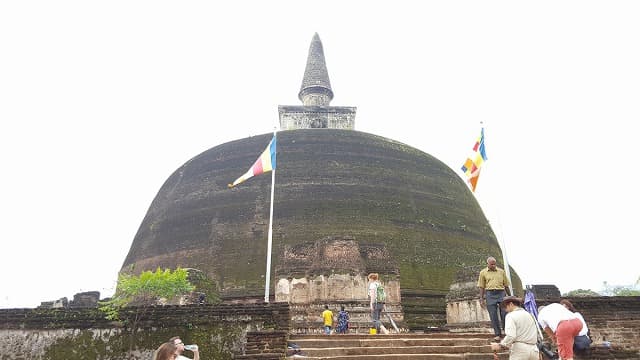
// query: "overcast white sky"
[[101, 101]]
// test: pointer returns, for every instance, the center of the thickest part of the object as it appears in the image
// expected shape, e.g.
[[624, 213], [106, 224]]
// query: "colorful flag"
[[265, 163], [472, 165]]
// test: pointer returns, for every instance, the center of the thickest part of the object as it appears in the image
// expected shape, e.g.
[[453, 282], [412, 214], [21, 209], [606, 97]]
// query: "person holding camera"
[[561, 325], [521, 331]]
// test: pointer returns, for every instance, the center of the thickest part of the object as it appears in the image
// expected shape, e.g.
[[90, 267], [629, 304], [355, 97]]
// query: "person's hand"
[[196, 353], [483, 302], [495, 346]]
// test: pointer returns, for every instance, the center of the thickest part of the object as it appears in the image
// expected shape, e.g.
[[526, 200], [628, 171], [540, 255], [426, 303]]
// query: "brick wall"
[[423, 310], [221, 332]]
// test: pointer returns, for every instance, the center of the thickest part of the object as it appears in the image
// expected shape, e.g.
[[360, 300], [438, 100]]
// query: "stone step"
[[378, 350], [412, 335], [386, 340], [410, 357], [465, 356], [440, 345], [261, 356]]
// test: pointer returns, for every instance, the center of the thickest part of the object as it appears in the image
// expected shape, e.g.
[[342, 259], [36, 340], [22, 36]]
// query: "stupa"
[[345, 203]]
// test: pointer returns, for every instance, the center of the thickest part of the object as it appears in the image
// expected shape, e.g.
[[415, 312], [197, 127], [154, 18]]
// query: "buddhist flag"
[[472, 165], [265, 163]]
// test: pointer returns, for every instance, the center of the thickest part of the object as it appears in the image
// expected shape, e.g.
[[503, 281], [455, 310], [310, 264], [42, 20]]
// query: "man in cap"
[[521, 331]]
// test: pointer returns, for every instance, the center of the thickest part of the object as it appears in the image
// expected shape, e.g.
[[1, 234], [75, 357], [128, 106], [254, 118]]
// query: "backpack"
[[381, 296], [581, 343], [343, 315]]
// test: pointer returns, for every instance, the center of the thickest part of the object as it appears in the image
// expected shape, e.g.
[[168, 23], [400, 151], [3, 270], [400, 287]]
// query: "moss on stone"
[[329, 183]]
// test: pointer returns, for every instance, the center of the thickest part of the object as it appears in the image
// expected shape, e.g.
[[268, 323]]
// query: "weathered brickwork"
[[424, 310], [221, 332], [464, 311], [265, 345], [80, 300], [317, 117], [333, 271], [545, 291]]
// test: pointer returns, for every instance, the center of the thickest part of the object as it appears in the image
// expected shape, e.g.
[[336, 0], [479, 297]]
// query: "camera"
[[545, 349]]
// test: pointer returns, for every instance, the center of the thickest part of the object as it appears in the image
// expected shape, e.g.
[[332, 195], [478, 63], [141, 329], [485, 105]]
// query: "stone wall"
[[221, 332], [467, 315], [316, 117], [464, 311], [332, 269], [544, 291], [332, 288], [424, 310], [80, 300]]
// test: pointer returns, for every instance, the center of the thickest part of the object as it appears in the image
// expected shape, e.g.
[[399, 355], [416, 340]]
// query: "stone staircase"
[[437, 345]]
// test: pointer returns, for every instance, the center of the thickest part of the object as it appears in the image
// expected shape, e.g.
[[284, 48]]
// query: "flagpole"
[[468, 169], [500, 237], [503, 247], [506, 262], [269, 237], [504, 256]]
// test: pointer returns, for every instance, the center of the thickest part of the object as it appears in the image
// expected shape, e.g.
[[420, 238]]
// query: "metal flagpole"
[[504, 259], [500, 236], [269, 237], [503, 247]]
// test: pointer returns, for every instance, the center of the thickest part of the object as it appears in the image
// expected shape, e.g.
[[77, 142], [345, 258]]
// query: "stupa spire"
[[316, 88], [316, 94]]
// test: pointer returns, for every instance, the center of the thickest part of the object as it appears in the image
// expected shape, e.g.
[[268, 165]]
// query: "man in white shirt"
[[561, 325]]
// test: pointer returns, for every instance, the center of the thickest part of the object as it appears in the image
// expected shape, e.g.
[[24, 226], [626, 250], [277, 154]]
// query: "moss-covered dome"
[[328, 182]]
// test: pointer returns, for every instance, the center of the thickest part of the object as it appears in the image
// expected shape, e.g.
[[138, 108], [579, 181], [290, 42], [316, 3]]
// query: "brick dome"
[[329, 182]]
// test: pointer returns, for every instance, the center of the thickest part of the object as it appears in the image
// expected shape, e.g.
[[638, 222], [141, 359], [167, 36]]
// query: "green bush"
[[146, 289]]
